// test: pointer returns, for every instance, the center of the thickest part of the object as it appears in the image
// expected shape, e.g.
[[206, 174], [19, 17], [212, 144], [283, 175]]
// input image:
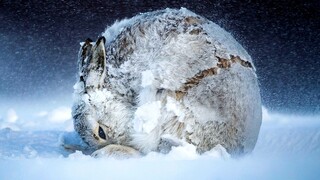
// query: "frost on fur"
[[162, 79]]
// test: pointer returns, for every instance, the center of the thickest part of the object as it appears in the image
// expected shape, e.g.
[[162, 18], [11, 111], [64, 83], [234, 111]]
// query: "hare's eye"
[[102, 135]]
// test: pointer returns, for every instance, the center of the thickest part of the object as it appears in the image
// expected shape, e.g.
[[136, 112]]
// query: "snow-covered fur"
[[164, 78]]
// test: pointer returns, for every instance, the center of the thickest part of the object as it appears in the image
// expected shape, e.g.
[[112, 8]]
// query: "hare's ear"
[[99, 53], [84, 52], [95, 71]]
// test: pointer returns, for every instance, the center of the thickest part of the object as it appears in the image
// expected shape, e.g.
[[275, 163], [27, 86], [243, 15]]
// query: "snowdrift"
[[286, 149]]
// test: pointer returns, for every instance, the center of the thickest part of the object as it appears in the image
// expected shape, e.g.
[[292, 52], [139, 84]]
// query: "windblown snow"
[[288, 146]]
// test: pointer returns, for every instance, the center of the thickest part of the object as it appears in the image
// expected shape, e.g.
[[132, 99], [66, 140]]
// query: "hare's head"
[[102, 118], [87, 126]]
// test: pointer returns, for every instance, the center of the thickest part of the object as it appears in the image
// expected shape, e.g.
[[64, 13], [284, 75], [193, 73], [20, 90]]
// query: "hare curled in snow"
[[164, 79]]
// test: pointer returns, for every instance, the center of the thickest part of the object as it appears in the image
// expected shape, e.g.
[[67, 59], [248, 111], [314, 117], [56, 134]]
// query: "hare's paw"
[[116, 151]]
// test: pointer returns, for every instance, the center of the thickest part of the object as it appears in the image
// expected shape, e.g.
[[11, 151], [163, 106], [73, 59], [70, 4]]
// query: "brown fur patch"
[[196, 79], [192, 20], [195, 32]]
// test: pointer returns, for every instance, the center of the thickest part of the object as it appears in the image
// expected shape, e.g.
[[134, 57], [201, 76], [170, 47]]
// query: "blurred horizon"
[[41, 43]]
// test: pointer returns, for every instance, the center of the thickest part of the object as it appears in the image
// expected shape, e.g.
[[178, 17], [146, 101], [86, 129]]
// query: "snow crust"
[[285, 150], [146, 122]]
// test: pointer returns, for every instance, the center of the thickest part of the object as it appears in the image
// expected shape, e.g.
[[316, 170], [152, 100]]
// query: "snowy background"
[[40, 42]]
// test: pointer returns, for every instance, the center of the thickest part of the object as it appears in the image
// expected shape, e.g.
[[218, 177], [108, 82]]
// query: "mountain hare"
[[162, 79]]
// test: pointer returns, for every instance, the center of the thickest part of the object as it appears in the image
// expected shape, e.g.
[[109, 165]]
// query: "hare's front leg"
[[116, 151]]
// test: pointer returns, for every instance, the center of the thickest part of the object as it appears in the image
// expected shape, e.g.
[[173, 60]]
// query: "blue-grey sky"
[[40, 42]]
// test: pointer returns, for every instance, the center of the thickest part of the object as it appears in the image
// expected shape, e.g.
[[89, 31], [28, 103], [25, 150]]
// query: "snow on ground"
[[288, 148], [58, 118]]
